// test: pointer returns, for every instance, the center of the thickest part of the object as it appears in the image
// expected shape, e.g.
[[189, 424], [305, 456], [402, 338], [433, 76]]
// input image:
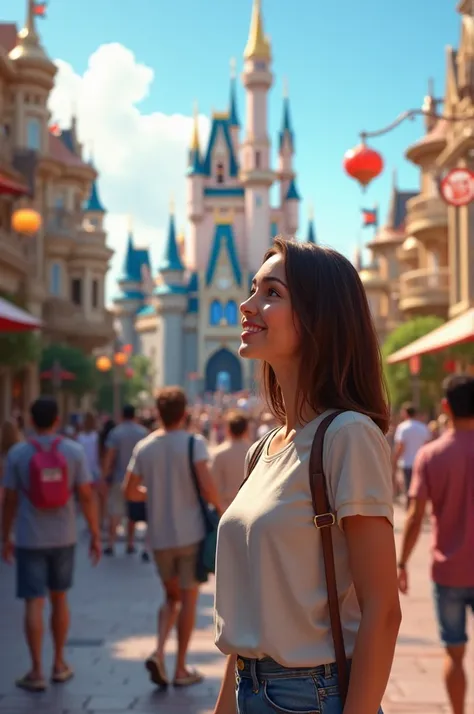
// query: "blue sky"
[[350, 66]]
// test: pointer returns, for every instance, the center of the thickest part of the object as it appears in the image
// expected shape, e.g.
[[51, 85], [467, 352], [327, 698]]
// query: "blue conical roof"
[[286, 125], [94, 204], [311, 232], [171, 258], [135, 260], [233, 115], [292, 193]]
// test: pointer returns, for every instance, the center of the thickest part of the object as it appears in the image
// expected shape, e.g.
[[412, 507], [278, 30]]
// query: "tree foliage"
[[71, 359], [128, 388], [399, 379]]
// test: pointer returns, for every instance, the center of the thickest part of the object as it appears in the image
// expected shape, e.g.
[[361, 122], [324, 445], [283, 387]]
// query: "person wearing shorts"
[[443, 473], [159, 474], [45, 541]]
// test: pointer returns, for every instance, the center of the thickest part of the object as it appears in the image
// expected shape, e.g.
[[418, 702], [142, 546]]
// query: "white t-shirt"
[[412, 434], [271, 595], [162, 462]]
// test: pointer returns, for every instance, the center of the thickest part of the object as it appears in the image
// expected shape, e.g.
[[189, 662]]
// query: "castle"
[[186, 318]]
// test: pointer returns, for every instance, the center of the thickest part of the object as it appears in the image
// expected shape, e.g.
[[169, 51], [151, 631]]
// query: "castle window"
[[33, 134], [220, 172], [216, 313], [95, 293], [76, 291], [55, 280], [231, 313], [258, 159]]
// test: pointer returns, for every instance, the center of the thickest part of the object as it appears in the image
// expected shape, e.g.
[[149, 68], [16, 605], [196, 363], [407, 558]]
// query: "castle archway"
[[223, 371]]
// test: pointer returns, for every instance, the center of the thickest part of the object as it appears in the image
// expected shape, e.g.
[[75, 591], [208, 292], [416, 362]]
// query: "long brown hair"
[[341, 365], [9, 436]]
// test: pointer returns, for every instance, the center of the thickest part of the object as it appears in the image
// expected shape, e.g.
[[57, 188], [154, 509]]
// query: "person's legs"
[[407, 474], [115, 508], [130, 536], [60, 575], [189, 593], [451, 606], [31, 569]]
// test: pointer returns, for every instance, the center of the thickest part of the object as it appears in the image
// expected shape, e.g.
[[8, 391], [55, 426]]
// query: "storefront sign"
[[457, 187]]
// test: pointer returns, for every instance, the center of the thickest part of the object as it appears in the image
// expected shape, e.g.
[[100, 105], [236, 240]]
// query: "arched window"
[[216, 313], [220, 172], [231, 313], [33, 134], [55, 280]]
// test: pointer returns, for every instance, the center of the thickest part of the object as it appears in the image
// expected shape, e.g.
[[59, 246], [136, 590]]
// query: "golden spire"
[[172, 205], [310, 212], [28, 44], [286, 92], [257, 44], [195, 135], [130, 224], [233, 68]]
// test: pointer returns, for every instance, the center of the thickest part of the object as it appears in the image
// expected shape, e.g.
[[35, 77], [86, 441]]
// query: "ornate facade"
[[428, 268], [60, 272], [186, 317]]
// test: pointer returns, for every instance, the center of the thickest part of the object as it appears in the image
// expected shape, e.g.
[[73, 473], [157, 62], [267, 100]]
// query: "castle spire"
[[233, 115], [171, 260], [258, 46], [28, 44], [286, 125], [195, 146], [311, 238]]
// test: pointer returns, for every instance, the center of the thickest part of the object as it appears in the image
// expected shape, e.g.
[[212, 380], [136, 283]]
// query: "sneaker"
[[145, 557], [109, 550]]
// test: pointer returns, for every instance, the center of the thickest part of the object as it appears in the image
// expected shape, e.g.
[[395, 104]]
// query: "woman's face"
[[269, 331]]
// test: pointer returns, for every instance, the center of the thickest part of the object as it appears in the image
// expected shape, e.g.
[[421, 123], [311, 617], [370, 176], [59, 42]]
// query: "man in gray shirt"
[[120, 445], [45, 537]]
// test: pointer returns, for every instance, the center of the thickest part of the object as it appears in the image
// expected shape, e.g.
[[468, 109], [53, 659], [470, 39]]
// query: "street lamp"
[[104, 364], [364, 164]]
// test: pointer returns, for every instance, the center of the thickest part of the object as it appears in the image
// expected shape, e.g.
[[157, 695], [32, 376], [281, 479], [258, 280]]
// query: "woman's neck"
[[297, 414]]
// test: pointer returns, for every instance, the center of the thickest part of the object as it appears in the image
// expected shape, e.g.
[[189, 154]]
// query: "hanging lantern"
[[103, 364], [363, 164], [129, 373], [128, 349], [26, 221], [120, 358]]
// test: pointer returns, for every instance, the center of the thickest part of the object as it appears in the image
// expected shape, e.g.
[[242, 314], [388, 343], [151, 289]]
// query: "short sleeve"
[[358, 471], [112, 439], [83, 474], [10, 475], [201, 452], [135, 463], [398, 437], [419, 481]]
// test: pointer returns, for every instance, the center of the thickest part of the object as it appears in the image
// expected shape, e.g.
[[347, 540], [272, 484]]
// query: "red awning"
[[14, 319], [13, 188], [454, 332]]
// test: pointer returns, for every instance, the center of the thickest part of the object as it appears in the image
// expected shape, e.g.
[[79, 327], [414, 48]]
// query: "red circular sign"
[[457, 187]]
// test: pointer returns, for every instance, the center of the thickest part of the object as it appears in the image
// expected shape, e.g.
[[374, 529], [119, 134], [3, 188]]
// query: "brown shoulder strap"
[[258, 451], [323, 520]]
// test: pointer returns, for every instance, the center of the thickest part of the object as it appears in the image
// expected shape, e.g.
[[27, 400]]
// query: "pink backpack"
[[48, 478]]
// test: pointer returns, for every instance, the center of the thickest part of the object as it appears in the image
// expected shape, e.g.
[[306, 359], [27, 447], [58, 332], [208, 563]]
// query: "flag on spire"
[[369, 217], [39, 8]]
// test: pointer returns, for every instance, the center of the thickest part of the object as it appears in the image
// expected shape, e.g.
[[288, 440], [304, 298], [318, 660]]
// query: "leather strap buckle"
[[324, 520]]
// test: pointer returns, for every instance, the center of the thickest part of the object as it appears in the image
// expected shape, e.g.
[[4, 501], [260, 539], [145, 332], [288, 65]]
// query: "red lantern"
[[129, 373], [363, 164], [128, 349]]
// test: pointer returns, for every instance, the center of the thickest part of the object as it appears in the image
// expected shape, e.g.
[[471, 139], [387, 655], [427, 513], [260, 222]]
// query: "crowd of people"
[[307, 574]]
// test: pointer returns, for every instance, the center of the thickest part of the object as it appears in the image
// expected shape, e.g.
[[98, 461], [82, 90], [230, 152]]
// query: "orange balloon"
[[26, 221], [103, 364]]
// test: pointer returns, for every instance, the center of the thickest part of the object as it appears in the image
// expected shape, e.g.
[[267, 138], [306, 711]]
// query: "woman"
[[9, 436], [307, 320]]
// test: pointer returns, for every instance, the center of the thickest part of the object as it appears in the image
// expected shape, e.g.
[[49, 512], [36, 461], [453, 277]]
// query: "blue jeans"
[[451, 606], [265, 687]]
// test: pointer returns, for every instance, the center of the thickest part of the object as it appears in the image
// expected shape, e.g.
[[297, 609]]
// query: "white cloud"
[[141, 158]]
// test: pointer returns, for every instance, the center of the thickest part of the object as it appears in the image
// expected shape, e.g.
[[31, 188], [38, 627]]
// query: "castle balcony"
[[424, 292], [427, 219], [60, 229], [16, 252], [63, 320]]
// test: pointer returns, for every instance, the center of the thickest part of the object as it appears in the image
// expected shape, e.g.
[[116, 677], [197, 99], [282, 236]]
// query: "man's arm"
[[10, 506], [418, 499], [133, 488], [88, 503], [207, 486], [109, 462]]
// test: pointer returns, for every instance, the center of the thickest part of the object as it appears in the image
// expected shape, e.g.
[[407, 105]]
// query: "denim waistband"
[[267, 668]]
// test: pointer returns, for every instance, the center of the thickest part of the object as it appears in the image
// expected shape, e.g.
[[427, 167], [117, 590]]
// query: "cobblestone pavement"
[[113, 622]]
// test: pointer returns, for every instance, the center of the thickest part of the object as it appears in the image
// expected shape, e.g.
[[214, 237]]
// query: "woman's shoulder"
[[354, 430]]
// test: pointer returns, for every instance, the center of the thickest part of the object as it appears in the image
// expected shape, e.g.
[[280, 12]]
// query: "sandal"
[[193, 677], [157, 671], [63, 676], [31, 685]]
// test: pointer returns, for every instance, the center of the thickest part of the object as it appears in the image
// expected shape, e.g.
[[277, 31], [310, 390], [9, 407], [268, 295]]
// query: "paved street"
[[114, 610]]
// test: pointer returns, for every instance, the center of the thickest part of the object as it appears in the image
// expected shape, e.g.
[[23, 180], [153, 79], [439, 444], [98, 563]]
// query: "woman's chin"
[[248, 351]]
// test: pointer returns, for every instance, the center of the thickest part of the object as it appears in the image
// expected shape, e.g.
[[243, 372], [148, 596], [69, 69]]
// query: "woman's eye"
[[272, 292]]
